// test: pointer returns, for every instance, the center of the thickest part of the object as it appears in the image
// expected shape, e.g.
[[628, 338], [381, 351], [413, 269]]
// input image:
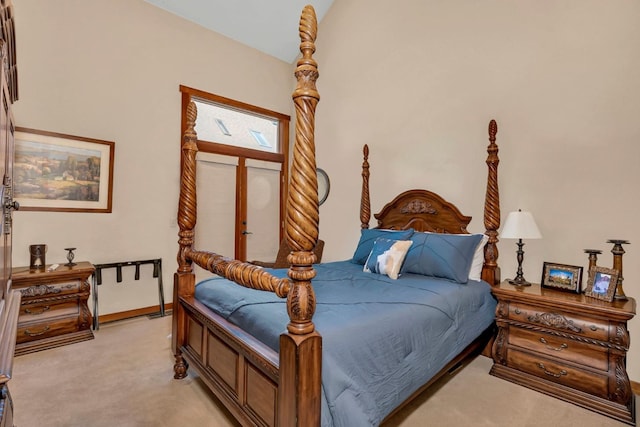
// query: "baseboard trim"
[[145, 311]]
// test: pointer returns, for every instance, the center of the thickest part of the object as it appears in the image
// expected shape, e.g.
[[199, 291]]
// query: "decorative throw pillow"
[[387, 256], [442, 255], [475, 272], [369, 235]]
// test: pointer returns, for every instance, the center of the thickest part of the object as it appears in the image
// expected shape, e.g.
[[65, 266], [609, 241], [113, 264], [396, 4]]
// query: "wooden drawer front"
[[556, 371], [574, 351], [38, 330], [41, 312], [564, 322], [48, 289]]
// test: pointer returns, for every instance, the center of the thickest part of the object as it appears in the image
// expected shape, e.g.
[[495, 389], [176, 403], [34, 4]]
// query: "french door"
[[241, 191]]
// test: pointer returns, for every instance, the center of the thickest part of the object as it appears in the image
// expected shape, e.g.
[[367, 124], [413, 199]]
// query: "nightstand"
[[566, 345], [54, 309]]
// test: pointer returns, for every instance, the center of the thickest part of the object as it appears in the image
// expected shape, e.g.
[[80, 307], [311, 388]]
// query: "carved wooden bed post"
[[491, 272], [365, 200], [299, 390]]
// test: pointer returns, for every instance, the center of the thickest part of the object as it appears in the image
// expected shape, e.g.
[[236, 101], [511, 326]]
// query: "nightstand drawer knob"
[[517, 311], [35, 334], [551, 374], [562, 346], [36, 312]]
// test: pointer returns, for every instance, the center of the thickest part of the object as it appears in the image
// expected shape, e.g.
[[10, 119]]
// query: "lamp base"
[[519, 281]]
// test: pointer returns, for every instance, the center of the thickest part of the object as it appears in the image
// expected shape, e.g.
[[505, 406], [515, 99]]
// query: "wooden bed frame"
[[261, 387]]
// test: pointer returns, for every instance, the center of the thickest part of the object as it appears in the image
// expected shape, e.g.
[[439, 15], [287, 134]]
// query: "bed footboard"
[[241, 371]]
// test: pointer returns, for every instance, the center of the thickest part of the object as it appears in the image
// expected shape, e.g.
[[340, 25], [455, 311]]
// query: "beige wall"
[[419, 81], [111, 71]]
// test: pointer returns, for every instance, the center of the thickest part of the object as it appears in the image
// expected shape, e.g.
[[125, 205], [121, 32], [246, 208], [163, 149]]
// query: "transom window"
[[226, 125]]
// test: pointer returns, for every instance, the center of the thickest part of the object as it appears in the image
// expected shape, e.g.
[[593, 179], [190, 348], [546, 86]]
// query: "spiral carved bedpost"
[[491, 272], [187, 209], [301, 346], [365, 200], [184, 279]]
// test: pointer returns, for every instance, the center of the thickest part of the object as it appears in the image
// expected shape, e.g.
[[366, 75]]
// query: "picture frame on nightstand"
[[562, 277], [602, 283]]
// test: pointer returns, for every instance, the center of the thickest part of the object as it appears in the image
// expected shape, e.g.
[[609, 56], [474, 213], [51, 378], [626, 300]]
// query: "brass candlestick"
[[617, 252]]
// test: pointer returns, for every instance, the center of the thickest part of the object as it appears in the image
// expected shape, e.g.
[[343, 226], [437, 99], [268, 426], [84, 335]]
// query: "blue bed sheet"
[[382, 338]]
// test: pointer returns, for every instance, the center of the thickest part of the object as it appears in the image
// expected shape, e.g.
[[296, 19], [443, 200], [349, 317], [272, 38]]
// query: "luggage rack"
[[97, 280]]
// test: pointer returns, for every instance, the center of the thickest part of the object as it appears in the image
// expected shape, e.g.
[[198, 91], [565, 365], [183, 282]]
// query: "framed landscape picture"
[[562, 277], [63, 173]]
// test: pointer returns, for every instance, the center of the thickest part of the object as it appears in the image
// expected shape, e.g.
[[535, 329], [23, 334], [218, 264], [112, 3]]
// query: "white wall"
[[111, 71], [419, 81]]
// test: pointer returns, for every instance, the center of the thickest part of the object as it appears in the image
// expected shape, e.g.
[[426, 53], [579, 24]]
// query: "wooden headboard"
[[424, 210]]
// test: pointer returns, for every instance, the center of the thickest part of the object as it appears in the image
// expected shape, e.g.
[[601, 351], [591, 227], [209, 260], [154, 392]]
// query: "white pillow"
[[386, 257], [475, 272]]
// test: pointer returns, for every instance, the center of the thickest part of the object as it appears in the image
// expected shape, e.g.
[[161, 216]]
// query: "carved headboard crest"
[[418, 207]]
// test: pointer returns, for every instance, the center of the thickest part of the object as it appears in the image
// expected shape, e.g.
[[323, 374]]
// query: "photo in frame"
[[63, 173], [602, 283], [562, 277]]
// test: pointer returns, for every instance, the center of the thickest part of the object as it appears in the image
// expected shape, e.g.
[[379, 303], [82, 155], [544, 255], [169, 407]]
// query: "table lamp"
[[520, 225]]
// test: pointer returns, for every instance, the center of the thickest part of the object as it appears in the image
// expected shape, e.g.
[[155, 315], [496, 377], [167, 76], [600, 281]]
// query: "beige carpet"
[[124, 377]]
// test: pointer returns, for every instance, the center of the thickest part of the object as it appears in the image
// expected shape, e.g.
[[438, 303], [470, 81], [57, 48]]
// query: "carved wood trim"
[[530, 327]]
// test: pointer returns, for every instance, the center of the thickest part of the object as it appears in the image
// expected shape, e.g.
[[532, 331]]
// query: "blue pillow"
[[369, 235], [448, 256], [387, 256]]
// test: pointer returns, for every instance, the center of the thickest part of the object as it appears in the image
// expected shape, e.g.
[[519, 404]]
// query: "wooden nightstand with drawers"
[[566, 345], [54, 309]]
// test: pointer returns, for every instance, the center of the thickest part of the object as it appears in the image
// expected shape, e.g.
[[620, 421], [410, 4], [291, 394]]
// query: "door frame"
[[282, 157]]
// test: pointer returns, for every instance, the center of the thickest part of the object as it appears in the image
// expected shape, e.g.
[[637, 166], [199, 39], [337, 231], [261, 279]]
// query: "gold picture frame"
[[62, 173], [562, 277], [602, 283]]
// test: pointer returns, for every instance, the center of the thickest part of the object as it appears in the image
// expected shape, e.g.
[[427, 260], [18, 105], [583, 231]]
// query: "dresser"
[[566, 345], [54, 309]]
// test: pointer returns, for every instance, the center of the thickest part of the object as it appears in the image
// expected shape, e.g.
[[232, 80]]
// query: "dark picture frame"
[[602, 283], [62, 173], [562, 277]]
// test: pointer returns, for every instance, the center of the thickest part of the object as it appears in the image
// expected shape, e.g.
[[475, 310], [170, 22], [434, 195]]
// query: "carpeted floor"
[[124, 377]]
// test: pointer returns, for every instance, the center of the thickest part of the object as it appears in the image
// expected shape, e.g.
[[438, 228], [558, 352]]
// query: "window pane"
[[223, 125]]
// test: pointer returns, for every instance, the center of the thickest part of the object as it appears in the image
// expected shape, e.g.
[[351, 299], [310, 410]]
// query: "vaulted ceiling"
[[270, 26]]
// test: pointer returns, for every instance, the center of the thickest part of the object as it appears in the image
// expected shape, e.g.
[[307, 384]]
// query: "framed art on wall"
[[63, 173], [562, 277]]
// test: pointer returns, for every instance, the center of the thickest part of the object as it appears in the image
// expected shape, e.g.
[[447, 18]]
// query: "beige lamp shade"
[[520, 225]]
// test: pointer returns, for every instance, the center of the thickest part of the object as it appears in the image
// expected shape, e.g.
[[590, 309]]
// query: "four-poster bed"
[[290, 377]]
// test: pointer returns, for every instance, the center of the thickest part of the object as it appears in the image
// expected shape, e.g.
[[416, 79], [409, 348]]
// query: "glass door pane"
[[215, 229], [263, 210]]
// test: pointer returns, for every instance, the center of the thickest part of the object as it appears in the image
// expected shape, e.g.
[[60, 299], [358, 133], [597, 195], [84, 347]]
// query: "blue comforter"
[[382, 338]]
